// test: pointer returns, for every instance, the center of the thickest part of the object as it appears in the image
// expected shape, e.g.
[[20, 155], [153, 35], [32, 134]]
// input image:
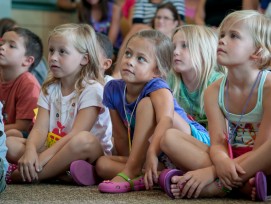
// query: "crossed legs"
[[83, 146]]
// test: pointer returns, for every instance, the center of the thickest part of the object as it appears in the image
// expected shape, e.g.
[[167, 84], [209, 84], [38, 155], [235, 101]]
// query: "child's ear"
[[156, 73], [107, 64], [84, 60], [28, 61], [257, 54]]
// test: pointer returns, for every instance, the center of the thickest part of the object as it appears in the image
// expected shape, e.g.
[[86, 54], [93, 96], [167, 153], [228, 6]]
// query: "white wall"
[[5, 8]]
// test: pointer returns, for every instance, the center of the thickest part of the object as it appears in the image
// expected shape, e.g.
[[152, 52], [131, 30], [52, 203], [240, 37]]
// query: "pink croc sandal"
[[83, 173], [164, 179], [136, 184]]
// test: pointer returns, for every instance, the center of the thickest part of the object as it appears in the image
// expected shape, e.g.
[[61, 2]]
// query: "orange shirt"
[[19, 97]]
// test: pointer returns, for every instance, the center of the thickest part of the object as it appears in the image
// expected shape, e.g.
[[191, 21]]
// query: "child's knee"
[[83, 142], [145, 107], [145, 103]]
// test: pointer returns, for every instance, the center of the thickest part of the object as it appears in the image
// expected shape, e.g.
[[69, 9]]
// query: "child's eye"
[[51, 50], [222, 35], [2, 42], [184, 45], [141, 59], [233, 35], [128, 54], [61, 51], [12, 46]]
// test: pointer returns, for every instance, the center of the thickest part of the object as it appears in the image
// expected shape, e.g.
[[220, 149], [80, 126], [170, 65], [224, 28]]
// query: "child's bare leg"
[[145, 125], [175, 143], [16, 148], [107, 167], [256, 160], [83, 146], [251, 162]]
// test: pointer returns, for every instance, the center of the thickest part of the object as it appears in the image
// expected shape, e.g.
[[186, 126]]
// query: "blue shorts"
[[200, 135]]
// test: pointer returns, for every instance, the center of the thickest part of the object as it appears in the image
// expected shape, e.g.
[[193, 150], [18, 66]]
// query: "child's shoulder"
[[26, 80], [215, 86], [267, 83]]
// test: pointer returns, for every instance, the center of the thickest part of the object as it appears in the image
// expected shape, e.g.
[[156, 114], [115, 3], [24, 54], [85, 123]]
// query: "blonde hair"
[[202, 43], [163, 49], [83, 38], [259, 27]]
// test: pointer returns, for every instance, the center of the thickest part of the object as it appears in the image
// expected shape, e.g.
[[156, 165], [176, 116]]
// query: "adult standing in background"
[[143, 13], [104, 16], [166, 19], [144, 10]]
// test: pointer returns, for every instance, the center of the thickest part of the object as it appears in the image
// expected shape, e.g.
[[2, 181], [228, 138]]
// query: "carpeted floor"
[[55, 193]]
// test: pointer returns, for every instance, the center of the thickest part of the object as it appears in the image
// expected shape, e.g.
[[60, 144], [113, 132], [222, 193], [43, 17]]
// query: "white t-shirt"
[[62, 120]]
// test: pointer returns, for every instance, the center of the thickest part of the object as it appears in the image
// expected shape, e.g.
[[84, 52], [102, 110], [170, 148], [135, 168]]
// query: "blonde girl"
[[239, 113], [72, 124], [194, 67]]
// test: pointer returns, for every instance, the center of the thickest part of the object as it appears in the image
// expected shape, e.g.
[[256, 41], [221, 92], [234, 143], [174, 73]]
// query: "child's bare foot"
[[198, 183], [256, 187], [214, 189]]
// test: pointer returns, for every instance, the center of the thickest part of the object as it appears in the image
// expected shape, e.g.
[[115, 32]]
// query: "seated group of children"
[[65, 129]]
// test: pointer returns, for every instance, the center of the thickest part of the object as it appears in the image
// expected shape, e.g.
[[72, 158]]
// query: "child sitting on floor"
[[72, 126], [20, 51]]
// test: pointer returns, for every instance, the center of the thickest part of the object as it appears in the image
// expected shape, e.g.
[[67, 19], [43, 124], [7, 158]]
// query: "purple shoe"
[[165, 179], [261, 186], [83, 173]]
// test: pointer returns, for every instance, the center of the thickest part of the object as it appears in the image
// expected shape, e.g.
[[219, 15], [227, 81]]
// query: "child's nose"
[[130, 62], [53, 57]]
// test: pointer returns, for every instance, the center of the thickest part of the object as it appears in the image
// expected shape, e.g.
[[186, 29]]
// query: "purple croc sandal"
[[83, 173], [261, 186], [165, 179]]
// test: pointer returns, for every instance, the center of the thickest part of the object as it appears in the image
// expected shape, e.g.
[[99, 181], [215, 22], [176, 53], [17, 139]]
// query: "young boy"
[[105, 56], [20, 52]]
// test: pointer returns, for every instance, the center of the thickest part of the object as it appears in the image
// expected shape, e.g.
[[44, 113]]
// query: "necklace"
[[230, 135], [131, 116], [68, 113]]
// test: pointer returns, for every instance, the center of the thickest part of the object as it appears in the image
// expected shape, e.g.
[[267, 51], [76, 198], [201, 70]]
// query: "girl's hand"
[[228, 172], [151, 175], [28, 165], [192, 182]]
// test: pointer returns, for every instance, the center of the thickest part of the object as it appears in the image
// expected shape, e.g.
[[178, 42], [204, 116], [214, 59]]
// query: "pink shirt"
[[127, 6]]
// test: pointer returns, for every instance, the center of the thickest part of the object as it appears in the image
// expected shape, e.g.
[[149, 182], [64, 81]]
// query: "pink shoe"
[[136, 184], [11, 168], [165, 179], [83, 173]]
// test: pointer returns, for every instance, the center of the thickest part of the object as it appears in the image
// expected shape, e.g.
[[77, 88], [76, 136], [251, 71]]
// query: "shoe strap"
[[126, 178]]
